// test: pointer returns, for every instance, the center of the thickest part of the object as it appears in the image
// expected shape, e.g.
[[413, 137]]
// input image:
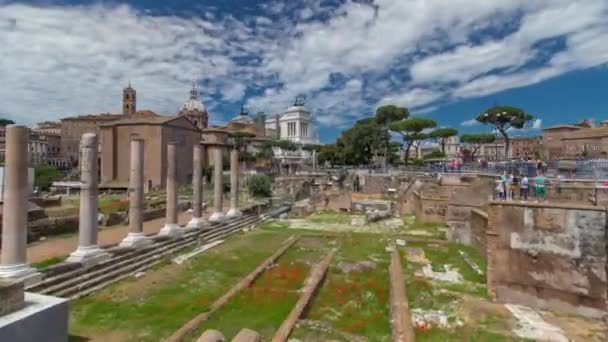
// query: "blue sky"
[[445, 59]]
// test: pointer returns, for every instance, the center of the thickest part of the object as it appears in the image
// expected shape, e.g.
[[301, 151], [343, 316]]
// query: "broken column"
[[171, 226], [217, 215], [197, 220], [136, 237], [234, 211], [14, 211], [88, 252]]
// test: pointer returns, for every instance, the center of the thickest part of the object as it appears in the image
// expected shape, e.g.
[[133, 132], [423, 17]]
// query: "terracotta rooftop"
[[112, 117], [586, 133], [150, 120], [561, 127]]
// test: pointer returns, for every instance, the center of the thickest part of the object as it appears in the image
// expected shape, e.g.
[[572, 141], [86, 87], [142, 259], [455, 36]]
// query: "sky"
[[448, 60]]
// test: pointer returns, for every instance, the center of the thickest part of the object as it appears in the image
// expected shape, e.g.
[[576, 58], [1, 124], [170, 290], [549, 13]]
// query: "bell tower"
[[129, 100]]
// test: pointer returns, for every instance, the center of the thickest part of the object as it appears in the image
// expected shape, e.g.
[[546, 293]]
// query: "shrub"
[[44, 176], [259, 186]]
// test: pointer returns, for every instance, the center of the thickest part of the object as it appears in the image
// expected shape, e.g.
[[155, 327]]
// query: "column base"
[[234, 213], [217, 217], [197, 223], [88, 256], [135, 240], [172, 230], [23, 272]]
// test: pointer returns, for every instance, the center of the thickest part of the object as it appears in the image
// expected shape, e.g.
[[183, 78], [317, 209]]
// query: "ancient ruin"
[[407, 257]]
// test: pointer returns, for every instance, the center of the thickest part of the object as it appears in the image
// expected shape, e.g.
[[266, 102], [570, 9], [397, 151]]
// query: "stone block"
[[43, 318], [11, 296], [247, 335], [211, 336]]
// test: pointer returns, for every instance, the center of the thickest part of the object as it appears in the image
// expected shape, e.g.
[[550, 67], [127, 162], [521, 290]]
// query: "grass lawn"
[[154, 306]]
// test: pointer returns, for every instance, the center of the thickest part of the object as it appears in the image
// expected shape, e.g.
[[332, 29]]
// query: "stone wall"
[[433, 209], [548, 256], [469, 196], [11, 296], [479, 226]]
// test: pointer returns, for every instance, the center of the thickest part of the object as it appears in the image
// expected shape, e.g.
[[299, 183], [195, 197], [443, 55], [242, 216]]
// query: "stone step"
[[92, 277], [119, 255], [102, 281]]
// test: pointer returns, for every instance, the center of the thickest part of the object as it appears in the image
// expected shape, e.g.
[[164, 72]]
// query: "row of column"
[[14, 219]]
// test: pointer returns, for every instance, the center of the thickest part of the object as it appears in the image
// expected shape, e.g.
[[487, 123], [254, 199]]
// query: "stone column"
[[136, 237], [14, 212], [197, 220], [88, 252], [234, 211], [217, 215], [171, 226]]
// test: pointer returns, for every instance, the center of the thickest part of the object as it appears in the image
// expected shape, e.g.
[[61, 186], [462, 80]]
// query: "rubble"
[[428, 319], [416, 255], [393, 223], [357, 267], [450, 275], [532, 326]]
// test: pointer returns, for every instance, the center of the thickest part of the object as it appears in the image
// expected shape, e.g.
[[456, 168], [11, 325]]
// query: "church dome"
[[193, 103]]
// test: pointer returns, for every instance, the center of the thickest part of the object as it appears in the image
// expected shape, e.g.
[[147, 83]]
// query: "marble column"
[[88, 252], [234, 211], [197, 220], [14, 212], [135, 237], [217, 215], [171, 226]]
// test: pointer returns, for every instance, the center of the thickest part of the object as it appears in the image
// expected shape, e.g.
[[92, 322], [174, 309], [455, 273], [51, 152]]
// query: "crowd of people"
[[505, 186]]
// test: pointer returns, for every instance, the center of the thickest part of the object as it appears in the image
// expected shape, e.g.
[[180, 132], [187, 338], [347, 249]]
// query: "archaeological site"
[[328, 256]]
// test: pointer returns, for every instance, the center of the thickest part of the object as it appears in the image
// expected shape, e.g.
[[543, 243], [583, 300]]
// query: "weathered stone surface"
[[11, 296], [357, 267], [548, 256], [247, 335], [377, 215], [358, 221], [211, 336], [416, 255], [395, 223]]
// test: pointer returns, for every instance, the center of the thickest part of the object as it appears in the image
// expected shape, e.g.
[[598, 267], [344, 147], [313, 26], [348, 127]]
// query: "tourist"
[[509, 187], [499, 188], [541, 191], [356, 184], [558, 184], [504, 181], [524, 188]]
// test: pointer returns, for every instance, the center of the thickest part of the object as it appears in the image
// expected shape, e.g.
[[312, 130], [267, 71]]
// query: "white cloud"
[[469, 123], [537, 124], [59, 61]]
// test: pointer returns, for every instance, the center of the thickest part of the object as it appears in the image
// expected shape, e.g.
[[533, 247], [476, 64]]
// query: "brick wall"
[[548, 256], [479, 227], [11, 296]]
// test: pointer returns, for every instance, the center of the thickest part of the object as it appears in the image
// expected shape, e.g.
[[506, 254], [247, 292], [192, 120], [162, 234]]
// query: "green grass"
[[149, 310], [263, 306], [49, 262], [329, 217], [355, 303]]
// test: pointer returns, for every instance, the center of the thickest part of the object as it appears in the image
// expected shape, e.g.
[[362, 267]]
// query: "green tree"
[[44, 176], [476, 140], [411, 130], [6, 122], [441, 135], [329, 153], [359, 144], [386, 115], [259, 186], [503, 118]]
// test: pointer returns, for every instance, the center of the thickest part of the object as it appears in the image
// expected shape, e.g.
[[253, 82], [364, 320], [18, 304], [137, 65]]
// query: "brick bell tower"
[[129, 100]]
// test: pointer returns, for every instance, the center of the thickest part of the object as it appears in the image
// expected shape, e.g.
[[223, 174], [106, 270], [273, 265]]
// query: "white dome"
[[194, 104]]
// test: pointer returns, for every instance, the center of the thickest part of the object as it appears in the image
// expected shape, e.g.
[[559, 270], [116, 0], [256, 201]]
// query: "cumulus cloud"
[[469, 123], [347, 57]]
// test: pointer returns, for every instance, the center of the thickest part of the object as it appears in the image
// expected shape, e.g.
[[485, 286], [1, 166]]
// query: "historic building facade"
[[156, 132], [194, 109], [295, 124]]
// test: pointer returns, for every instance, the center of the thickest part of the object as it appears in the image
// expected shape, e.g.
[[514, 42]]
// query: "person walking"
[[541, 190], [524, 188]]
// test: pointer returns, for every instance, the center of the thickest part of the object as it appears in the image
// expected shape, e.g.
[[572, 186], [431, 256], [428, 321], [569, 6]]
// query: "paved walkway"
[[62, 246]]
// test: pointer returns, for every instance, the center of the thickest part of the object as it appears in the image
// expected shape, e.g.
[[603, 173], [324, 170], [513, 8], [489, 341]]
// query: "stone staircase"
[[75, 282]]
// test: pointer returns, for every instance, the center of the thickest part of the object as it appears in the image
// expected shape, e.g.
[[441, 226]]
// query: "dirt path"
[[58, 247]]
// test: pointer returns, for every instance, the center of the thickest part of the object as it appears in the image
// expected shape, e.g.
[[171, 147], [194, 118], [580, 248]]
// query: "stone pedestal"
[[171, 227], [136, 237], [14, 213], [43, 318], [234, 211], [217, 215], [197, 220], [88, 252]]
